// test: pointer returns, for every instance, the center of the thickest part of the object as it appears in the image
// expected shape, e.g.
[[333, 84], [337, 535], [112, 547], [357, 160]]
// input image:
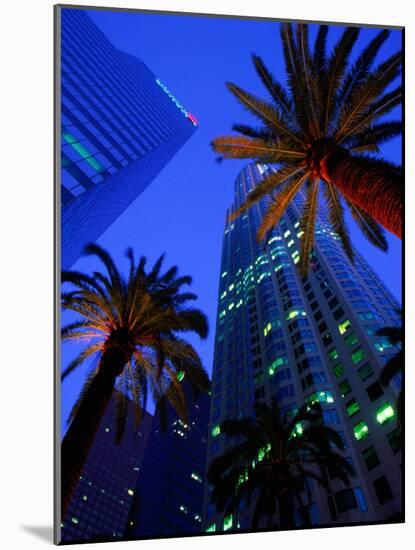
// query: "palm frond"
[[269, 183], [360, 69], [83, 356], [307, 224], [363, 97], [373, 232], [377, 109], [266, 112], [309, 76], [336, 217], [275, 89], [239, 147], [337, 65], [263, 134], [279, 205], [374, 136]]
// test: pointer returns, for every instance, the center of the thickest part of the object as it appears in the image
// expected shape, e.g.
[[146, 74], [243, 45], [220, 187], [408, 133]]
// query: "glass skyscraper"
[[120, 125], [168, 497], [101, 503], [304, 340]]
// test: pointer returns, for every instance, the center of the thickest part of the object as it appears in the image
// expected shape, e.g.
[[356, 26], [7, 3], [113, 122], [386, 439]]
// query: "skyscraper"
[[102, 499], [120, 126], [305, 340], [168, 498]]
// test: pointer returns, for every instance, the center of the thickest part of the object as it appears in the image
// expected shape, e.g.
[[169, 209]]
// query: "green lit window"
[[215, 430], [358, 355], [365, 372], [278, 362], [180, 375], [338, 370], [385, 413], [75, 520], [82, 152], [344, 326], [352, 407], [295, 313], [352, 339], [227, 522], [320, 397], [263, 451], [211, 528], [290, 243], [344, 388], [333, 354], [361, 430], [298, 430]]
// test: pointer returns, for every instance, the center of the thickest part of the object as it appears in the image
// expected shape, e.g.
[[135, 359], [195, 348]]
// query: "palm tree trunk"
[[80, 434], [370, 184]]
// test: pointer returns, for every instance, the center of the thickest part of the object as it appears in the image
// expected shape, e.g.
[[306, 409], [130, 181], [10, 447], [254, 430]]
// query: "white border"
[[26, 219]]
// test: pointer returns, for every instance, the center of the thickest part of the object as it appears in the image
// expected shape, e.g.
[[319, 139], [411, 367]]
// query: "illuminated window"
[[358, 355], [82, 151], [227, 522], [183, 509], [361, 430], [333, 354], [180, 375], [211, 528], [75, 520], [215, 430], [196, 477], [338, 370], [130, 492], [352, 407], [352, 339], [385, 413], [343, 327]]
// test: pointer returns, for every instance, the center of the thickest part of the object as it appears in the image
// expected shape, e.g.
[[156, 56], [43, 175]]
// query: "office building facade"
[[120, 125], [168, 498], [101, 503], [304, 340]]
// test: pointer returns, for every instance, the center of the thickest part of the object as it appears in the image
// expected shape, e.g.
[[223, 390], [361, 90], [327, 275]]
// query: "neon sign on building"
[[179, 105]]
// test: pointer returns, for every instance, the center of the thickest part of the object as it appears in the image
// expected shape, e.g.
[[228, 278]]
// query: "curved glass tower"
[[305, 340]]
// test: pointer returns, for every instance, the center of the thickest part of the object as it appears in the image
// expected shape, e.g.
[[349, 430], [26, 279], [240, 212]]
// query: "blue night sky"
[[182, 212]]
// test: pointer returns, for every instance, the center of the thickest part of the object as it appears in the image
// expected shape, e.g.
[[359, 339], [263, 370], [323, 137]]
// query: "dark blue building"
[[120, 125], [101, 503], [169, 494]]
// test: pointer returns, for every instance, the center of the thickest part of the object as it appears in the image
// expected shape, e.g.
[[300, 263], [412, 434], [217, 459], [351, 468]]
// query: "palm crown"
[[134, 324], [269, 457], [317, 134]]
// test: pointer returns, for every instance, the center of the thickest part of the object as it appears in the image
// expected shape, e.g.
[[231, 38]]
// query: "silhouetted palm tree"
[[395, 365], [132, 326], [317, 133], [270, 454]]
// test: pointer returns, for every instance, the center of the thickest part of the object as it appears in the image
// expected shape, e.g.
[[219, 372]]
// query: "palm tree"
[[394, 366], [131, 327], [270, 456], [317, 134]]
